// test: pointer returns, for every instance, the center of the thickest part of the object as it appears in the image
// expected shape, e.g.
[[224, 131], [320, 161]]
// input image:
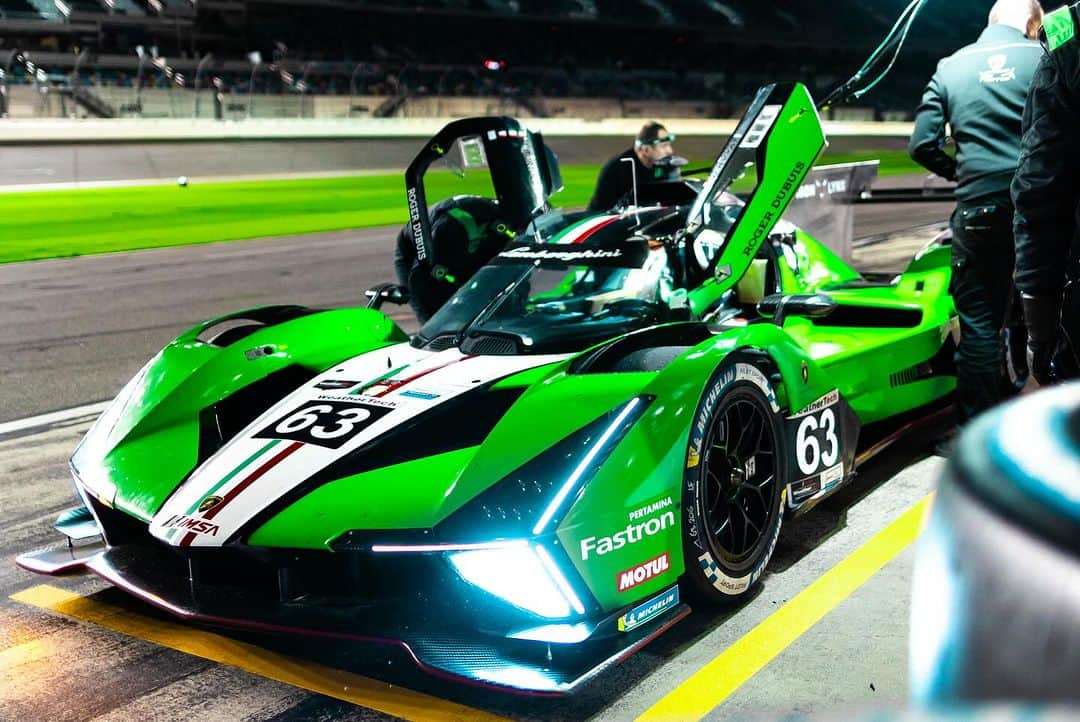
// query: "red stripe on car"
[[248, 481]]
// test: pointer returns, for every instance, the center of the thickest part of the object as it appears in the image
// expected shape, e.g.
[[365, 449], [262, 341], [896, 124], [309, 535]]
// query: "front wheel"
[[734, 485]]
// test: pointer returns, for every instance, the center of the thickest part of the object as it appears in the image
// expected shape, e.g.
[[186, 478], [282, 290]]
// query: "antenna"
[[633, 176], [633, 180]]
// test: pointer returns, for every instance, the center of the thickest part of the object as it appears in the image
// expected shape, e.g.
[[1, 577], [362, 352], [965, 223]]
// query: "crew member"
[[1046, 190], [647, 158], [980, 92], [466, 233]]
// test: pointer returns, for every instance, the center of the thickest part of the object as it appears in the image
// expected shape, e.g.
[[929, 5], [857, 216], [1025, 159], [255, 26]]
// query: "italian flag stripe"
[[384, 377], [225, 480], [567, 234], [248, 481]]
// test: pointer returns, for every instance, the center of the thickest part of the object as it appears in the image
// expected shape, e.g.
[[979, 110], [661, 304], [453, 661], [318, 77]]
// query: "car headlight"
[[523, 575]]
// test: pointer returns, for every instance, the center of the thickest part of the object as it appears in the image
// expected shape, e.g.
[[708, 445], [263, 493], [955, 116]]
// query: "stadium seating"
[[712, 51]]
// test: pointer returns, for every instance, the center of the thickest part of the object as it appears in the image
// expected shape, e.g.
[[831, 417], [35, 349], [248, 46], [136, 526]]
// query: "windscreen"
[[559, 297]]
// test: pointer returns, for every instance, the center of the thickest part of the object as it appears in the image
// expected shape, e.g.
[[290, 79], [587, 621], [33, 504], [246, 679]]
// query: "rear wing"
[[781, 136]]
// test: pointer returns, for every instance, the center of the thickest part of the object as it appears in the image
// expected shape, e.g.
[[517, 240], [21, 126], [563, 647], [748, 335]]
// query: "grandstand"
[[257, 58]]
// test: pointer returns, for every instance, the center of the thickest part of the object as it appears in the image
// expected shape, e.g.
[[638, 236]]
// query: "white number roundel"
[[808, 450]]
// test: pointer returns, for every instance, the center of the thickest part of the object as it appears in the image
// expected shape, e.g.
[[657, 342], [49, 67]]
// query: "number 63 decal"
[[327, 423], [817, 442]]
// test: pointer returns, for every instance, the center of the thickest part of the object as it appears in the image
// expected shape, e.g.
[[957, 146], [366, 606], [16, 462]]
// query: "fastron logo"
[[643, 572], [632, 534]]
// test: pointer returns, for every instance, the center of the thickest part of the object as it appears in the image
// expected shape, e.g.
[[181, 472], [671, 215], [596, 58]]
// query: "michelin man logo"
[[997, 73]]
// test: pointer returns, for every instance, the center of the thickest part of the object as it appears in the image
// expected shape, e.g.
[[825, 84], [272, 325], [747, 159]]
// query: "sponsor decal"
[[191, 525], [762, 125], [328, 422], [831, 477], [997, 73], [726, 584], [335, 384], [693, 458], [529, 253], [828, 399], [363, 401], [632, 577], [777, 205], [209, 503], [649, 610], [632, 534], [417, 227], [424, 395], [740, 372], [822, 188], [650, 509]]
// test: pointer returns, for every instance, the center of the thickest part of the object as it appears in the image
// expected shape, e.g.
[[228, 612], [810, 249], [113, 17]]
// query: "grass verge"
[[51, 224]]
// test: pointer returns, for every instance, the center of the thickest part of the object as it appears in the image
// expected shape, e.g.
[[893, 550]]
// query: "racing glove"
[[1041, 314]]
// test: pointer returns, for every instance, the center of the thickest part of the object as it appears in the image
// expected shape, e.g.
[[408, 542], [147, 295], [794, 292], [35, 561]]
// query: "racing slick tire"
[[733, 487]]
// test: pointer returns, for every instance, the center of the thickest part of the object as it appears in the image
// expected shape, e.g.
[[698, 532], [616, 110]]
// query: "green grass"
[[50, 224]]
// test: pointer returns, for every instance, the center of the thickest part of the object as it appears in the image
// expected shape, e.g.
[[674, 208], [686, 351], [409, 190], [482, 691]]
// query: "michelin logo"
[[649, 610]]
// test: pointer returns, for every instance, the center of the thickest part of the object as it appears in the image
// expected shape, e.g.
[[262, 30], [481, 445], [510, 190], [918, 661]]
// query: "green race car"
[[613, 416]]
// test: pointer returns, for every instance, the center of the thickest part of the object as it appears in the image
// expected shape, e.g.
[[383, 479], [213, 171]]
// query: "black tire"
[[734, 484]]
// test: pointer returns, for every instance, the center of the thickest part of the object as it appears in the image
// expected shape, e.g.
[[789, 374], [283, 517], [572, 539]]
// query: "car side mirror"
[[778, 307], [387, 293]]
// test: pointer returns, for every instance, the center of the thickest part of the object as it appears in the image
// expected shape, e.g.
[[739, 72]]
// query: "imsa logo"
[[198, 526]]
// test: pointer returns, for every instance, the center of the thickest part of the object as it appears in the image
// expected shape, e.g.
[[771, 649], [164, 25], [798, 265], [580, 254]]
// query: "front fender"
[[148, 439]]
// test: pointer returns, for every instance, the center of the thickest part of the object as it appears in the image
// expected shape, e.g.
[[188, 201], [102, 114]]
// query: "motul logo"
[[643, 572]]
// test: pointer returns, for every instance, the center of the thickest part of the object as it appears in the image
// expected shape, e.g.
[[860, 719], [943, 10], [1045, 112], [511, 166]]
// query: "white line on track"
[[53, 417]]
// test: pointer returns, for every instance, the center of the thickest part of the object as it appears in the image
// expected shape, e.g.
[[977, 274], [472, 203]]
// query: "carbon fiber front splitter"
[[461, 655]]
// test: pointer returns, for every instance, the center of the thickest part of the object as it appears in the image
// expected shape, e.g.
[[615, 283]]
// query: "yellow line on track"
[[370, 693], [716, 681]]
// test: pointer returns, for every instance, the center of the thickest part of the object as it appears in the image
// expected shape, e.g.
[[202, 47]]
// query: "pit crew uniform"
[[980, 92], [1046, 190]]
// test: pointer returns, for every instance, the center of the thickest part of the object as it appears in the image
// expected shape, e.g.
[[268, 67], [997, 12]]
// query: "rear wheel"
[[733, 491]]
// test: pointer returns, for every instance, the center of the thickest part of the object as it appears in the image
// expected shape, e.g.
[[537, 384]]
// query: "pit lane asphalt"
[[74, 330]]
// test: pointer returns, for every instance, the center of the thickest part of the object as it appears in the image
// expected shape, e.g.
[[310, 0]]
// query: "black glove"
[[1042, 315]]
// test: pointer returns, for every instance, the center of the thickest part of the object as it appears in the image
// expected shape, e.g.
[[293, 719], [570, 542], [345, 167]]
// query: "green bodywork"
[[146, 444]]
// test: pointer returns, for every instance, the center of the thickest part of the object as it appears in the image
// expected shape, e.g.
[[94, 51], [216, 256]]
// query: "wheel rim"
[[739, 477]]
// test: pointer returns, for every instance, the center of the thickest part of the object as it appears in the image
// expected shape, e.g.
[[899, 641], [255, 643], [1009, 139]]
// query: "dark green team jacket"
[[980, 92]]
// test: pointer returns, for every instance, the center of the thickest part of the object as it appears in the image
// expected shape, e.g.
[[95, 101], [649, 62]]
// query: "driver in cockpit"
[[468, 231]]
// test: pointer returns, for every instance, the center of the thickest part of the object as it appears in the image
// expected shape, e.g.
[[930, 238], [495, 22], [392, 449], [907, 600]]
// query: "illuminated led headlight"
[[524, 576]]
